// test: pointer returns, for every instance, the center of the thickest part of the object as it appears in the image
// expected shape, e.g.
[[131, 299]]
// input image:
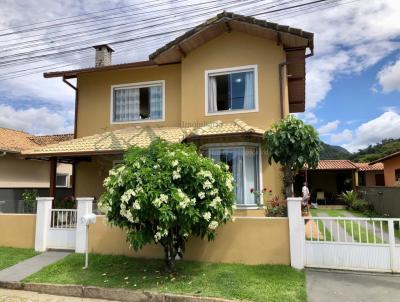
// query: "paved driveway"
[[329, 286]]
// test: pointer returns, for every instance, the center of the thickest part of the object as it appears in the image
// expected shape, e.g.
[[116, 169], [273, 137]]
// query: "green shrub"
[[166, 193], [353, 202], [29, 199]]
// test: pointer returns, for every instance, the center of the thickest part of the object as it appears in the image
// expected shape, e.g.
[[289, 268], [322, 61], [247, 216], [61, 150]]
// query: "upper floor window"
[[232, 90], [138, 102]]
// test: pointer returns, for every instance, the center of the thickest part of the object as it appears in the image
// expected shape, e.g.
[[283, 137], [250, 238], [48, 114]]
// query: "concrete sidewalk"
[[32, 265], [333, 286]]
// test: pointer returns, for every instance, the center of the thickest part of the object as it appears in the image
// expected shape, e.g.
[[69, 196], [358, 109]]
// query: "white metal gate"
[[354, 243], [62, 229]]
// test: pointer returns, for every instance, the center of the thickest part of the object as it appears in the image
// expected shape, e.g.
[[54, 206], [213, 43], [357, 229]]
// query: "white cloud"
[[344, 136], [36, 120], [328, 127], [308, 117], [387, 125], [389, 77], [348, 39]]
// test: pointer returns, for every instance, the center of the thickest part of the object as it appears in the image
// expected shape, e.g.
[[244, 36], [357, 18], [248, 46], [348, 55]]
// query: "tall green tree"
[[292, 144]]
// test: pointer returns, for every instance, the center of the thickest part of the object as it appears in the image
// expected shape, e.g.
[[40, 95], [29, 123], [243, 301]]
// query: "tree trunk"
[[170, 252], [288, 180]]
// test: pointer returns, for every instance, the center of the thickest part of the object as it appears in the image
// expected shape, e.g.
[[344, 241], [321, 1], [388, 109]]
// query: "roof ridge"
[[202, 129], [243, 125], [15, 130]]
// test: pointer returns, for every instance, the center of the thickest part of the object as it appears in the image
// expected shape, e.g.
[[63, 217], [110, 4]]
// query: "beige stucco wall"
[[185, 102], [17, 230], [249, 241], [94, 103], [390, 165], [19, 173], [233, 50]]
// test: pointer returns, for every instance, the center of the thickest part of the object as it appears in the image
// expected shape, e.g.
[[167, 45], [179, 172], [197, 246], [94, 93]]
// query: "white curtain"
[[126, 104], [251, 177], [212, 94], [237, 171], [234, 158], [156, 102], [248, 91]]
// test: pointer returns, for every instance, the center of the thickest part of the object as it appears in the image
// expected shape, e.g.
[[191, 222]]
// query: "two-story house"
[[219, 85]]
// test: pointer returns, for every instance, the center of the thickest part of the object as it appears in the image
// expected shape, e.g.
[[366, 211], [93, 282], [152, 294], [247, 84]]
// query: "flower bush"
[[273, 205], [166, 193]]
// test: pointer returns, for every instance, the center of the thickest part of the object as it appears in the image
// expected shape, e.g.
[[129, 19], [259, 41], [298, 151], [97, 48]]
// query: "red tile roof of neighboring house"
[[333, 164], [369, 167], [395, 154], [16, 141]]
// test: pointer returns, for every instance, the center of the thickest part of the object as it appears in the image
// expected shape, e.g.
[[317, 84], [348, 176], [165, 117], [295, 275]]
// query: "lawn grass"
[[231, 281], [10, 256]]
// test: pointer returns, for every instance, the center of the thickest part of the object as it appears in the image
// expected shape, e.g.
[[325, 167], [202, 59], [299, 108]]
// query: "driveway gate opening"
[[353, 243]]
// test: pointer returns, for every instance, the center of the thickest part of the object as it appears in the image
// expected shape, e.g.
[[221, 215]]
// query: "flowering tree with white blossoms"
[[166, 193]]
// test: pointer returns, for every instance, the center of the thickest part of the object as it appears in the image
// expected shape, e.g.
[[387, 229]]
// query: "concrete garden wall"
[[247, 240], [17, 230]]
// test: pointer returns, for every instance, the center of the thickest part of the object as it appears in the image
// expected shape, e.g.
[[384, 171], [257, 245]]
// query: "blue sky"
[[353, 81]]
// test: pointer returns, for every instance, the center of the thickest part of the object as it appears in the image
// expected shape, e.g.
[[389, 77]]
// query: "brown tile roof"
[[119, 140], [395, 154], [14, 140], [44, 140], [369, 167], [227, 17], [328, 164]]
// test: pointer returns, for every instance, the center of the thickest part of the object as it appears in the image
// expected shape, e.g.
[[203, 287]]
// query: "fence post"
[[85, 206], [43, 212], [296, 232], [394, 265]]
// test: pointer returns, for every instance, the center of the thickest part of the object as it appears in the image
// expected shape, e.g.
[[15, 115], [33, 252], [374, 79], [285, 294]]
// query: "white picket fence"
[[355, 243]]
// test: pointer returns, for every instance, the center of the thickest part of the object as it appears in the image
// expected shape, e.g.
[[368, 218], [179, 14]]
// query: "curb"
[[94, 292]]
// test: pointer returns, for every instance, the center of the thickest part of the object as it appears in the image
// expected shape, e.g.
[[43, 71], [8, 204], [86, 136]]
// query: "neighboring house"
[[17, 174], [332, 177], [391, 165], [370, 175], [220, 86]]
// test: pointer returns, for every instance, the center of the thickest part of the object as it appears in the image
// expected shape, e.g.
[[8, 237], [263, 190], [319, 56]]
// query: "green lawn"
[[231, 281], [10, 256]]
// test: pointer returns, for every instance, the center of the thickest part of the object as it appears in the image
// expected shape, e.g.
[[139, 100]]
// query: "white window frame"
[[230, 70], [260, 168], [138, 85], [66, 180]]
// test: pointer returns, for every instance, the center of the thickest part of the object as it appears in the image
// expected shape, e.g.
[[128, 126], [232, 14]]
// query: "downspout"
[[281, 66], [75, 131], [76, 103]]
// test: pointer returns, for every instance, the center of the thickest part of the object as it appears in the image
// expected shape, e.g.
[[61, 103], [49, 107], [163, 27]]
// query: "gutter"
[[3, 153], [281, 73]]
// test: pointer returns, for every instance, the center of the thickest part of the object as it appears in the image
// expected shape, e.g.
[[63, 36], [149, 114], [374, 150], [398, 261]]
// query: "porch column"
[[85, 206], [53, 176], [296, 232], [43, 212]]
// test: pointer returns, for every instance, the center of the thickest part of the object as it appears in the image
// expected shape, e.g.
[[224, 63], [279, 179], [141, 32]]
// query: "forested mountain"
[[371, 153]]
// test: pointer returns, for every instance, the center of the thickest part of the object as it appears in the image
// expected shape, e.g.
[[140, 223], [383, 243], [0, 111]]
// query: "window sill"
[[139, 121], [234, 111], [249, 207]]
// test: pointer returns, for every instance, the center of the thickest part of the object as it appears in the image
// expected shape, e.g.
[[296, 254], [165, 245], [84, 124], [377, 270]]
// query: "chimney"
[[103, 55]]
